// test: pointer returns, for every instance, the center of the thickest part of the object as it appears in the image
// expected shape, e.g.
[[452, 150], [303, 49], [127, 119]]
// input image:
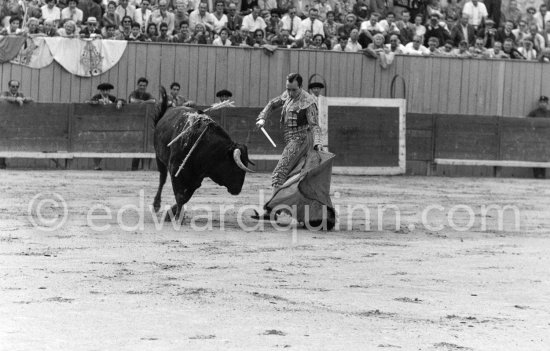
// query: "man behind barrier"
[[12, 95]]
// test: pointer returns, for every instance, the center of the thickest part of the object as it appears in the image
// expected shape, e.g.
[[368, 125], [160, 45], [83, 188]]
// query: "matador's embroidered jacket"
[[297, 115]]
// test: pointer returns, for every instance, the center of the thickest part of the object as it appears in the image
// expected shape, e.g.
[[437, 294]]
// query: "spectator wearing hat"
[[541, 111], [224, 95], [104, 98], [91, 30], [73, 13], [315, 89]]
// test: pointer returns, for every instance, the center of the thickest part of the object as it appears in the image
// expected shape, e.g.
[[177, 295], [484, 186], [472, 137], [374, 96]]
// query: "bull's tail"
[[162, 107]]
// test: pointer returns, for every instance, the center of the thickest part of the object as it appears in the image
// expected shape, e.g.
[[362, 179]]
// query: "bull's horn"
[[239, 162]]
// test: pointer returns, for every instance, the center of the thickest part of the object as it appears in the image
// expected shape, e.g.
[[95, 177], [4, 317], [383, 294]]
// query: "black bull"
[[215, 155]]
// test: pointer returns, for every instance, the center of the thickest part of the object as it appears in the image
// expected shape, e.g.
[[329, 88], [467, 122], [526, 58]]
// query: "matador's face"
[[293, 89]]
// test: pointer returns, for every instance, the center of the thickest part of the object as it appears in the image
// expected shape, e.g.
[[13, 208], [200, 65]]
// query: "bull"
[[206, 148]]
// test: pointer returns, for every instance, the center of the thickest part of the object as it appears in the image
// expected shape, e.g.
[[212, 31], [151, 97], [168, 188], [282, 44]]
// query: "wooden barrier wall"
[[433, 85], [44, 127]]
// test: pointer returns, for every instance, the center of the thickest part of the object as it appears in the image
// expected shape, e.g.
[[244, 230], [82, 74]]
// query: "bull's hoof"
[[156, 207], [174, 214]]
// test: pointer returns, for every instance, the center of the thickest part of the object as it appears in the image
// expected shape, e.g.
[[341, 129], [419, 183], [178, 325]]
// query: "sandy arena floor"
[[108, 284]]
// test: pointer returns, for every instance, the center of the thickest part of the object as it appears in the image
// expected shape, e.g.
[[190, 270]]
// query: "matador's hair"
[[295, 76]]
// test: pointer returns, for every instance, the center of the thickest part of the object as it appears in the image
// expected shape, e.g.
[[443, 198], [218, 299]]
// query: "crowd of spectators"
[[448, 28]]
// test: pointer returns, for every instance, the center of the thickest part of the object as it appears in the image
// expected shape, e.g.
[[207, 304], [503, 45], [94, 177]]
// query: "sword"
[[268, 137]]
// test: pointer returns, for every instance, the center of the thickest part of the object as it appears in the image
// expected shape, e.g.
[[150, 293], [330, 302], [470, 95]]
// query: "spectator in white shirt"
[[542, 17], [353, 45], [388, 26], [220, 19], [142, 15], [223, 38], [415, 47], [312, 24], [162, 15], [73, 13], [291, 22], [202, 16], [476, 11], [267, 4], [124, 9], [51, 12], [254, 21]]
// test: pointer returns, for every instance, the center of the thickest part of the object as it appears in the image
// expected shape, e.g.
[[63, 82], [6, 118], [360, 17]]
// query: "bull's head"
[[232, 171]]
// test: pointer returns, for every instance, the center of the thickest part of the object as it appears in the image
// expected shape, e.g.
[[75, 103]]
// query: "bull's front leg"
[[183, 191], [163, 172]]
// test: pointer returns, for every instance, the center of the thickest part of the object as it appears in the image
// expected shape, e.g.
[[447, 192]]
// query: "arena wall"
[[75, 128], [430, 84]]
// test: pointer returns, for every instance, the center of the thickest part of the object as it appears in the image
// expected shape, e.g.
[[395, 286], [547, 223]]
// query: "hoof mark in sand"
[[450, 347], [389, 345], [202, 337], [59, 299], [408, 299], [274, 332]]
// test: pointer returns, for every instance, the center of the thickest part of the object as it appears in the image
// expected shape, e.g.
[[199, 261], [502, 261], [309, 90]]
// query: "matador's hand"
[[260, 123]]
